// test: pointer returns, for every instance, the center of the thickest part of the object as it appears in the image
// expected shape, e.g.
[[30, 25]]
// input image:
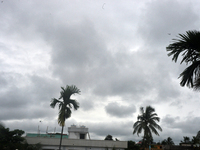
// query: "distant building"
[[78, 139], [78, 132]]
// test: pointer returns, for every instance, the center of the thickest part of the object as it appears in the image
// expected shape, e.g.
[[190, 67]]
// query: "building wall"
[[77, 144], [75, 132]]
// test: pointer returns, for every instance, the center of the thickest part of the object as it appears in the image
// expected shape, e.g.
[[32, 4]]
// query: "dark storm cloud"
[[117, 110], [159, 23], [79, 56], [25, 101], [187, 128], [107, 52]]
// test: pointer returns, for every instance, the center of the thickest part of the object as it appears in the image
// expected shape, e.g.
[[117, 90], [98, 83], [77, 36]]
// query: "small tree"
[[186, 140], [109, 137], [167, 141]]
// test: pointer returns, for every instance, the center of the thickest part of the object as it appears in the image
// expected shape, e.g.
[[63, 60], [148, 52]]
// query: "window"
[[82, 136]]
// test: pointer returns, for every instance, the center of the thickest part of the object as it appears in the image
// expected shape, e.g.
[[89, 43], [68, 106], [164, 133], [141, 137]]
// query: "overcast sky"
[[113, 51]]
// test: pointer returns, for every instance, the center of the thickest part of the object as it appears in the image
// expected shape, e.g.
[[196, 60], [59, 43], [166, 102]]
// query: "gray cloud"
[[118, 51], [117, 110]]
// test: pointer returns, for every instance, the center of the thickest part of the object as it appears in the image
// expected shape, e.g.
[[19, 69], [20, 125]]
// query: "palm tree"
[[146, 122], [65, 105], [188, 46]]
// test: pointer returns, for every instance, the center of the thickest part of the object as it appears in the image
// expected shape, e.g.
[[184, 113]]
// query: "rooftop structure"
[[48, 135], [78, 132], [77, 140]]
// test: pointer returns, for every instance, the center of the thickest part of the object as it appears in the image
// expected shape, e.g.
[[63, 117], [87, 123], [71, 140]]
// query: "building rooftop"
[[48, 135]]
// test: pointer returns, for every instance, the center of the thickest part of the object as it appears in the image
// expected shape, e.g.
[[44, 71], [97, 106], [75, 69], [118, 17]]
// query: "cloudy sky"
[[113, 51]]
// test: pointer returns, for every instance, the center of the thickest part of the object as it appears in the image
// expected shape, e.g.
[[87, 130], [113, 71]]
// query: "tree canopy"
[[12, 140], [167, 141]]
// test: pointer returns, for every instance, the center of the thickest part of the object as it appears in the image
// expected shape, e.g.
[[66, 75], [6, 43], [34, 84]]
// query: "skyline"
[[113, 51]]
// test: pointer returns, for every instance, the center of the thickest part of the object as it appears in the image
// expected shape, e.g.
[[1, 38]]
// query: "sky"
[[113, 51]]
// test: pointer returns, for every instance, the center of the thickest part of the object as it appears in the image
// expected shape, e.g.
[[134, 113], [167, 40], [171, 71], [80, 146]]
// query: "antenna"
[[47, 130], [38, 129]]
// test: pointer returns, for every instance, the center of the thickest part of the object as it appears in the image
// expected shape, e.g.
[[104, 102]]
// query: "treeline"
[[12, 139]]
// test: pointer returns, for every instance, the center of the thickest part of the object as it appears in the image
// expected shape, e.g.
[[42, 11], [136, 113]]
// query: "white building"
[[78, 139], [78, 132]]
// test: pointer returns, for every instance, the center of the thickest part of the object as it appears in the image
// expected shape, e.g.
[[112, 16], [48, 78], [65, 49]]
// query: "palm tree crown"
[[65, 105], [188, 46], [147, 123]]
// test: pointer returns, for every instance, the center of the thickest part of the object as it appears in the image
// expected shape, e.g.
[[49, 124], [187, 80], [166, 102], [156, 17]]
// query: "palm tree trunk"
[[61, 138]]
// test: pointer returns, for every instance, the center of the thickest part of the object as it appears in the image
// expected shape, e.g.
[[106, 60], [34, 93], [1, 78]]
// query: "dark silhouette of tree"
[[195, 140], [186, 140], [65, 104], [188, 46], [167, 141], [109, 137], [147, 124], [132, 146], [10, 139]]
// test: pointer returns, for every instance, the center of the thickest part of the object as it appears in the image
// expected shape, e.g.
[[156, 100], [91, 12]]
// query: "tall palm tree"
[[146, 122], [188, 46], [65, 105]]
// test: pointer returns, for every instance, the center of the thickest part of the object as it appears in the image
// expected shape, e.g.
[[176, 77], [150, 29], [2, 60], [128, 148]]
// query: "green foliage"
[[11, 140], [188, 46], [132, 146], [147, 123]]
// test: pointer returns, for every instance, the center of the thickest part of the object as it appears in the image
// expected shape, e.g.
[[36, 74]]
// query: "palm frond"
[[67, 103], [141, 110], [74, 103], [197, 84], [54, 102], [188, 46], [190, 74]]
